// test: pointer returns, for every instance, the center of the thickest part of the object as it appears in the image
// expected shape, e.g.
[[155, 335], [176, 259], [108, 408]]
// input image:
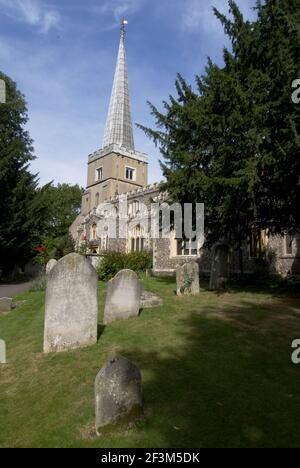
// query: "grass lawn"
[[216, 369]]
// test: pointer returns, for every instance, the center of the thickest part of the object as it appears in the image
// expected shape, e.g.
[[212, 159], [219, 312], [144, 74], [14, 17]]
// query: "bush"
[[290, 284], [112, 262]]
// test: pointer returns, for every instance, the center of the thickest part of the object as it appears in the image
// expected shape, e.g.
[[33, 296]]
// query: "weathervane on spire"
[[124, 23]]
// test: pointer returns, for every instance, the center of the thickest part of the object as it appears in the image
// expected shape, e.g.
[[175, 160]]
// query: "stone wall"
[[286, 264]]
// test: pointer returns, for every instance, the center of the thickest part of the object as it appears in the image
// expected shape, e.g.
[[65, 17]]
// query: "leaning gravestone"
[[118, 392], [50, 265], [187, 279], [5, 304], [71, 305], [2, 352], [220, 267], [123, 297], [2, 92]]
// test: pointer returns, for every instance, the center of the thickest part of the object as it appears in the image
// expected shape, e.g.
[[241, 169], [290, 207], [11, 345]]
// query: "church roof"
[[118, 130]]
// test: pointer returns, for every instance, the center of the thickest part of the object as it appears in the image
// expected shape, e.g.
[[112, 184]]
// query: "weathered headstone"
[[2, 92], [51, 264], [150, 300], [5, 304], [123, 297], [220, 267], [118, 392], [71, 305], [187, 279], [2, 352]]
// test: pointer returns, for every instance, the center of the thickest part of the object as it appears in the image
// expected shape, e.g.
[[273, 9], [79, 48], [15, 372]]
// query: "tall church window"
[[130, 173], [97, 199], [137, 240], [133, 208], [99, 174]]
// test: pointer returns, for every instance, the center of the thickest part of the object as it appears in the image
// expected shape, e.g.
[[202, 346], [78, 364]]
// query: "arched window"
[[97, 199], [134, 208]]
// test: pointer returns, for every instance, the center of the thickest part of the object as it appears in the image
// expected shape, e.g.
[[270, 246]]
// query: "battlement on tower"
[[122, 151]]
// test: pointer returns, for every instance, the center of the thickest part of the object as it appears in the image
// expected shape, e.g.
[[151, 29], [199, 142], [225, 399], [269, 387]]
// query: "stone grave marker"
[[123, 297], [187, 279], [50, 265], [118, 392], [71, 305], [220, 267], [5, 304], [2, 352]]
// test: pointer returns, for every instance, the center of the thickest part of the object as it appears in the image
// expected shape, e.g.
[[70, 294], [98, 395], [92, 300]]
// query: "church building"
[[118, 169]]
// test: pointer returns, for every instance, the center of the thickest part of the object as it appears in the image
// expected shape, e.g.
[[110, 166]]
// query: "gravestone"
[[150, 300], [2, 352], [71, 305], [118, 392], [2, 92], [187, 279], [50, 265], [220, 267], [5, 304], [123, 297]]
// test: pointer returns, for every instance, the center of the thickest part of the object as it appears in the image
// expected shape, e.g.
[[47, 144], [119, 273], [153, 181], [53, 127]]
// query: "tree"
[[234, 142], [62, 204], [21, 212]]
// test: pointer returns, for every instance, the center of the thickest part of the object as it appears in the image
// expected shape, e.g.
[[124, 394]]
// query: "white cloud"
[[198, 14], [31, 12], [119, 8]]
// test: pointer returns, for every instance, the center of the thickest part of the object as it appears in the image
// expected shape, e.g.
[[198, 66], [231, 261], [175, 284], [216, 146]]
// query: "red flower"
[[41, 249]]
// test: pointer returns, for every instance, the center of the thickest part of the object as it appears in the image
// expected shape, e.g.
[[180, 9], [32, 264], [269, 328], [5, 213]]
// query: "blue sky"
[[62, 54]]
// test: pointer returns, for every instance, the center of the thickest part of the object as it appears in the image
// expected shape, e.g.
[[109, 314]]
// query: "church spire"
[[118, 128]]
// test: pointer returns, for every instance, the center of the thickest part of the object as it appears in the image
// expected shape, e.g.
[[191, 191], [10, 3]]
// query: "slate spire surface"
[[118, 129]]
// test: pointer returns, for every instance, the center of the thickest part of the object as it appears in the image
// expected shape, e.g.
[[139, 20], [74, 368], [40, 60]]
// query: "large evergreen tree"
[[21, 212], [234, 143]]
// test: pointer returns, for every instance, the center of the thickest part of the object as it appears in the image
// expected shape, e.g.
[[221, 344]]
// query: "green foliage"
[[29, 216], [112, 262], [21, 207], [55, 248], [233, 144], [290, 284], [63, 205]]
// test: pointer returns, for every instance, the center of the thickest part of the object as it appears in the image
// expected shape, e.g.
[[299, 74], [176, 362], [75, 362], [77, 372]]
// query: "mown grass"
[[216, 369]]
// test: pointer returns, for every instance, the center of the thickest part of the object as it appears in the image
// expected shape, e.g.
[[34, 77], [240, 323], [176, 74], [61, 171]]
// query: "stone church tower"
[[116, 168]]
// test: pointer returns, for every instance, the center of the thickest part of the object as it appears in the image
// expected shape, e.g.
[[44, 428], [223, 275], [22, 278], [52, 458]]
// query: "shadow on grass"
[[100, 331], [269, 286], [226, 384]]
